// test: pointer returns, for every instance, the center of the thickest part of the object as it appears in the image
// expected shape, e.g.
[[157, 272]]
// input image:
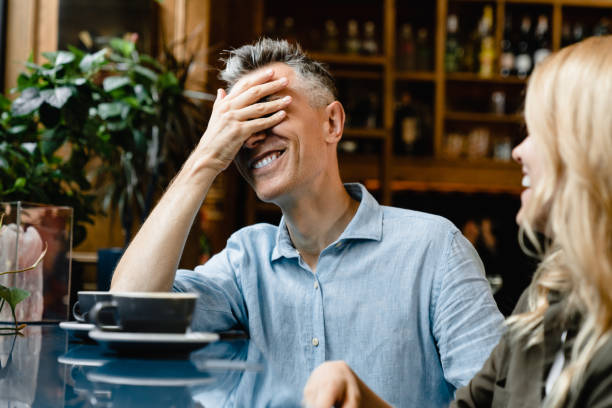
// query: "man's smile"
[[265, 159]]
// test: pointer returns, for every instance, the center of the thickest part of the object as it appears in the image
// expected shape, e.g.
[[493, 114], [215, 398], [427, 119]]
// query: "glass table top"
[[52, 367]]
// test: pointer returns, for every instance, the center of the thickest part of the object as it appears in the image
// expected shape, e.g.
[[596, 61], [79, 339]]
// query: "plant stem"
[[42, 255]]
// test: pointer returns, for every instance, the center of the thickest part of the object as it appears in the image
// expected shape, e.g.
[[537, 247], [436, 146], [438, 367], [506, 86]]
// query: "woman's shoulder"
[[595, 390]]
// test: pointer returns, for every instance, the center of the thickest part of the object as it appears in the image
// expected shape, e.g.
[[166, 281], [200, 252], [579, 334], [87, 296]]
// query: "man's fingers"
[[251, 80], [260, 109], [220, 95], [257, 125], [257, 92]]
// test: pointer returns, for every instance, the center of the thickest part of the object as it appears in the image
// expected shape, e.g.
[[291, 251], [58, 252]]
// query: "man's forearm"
[[150, 261]]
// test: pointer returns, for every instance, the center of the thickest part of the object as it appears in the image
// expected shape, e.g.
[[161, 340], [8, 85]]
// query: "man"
[[399, 295]]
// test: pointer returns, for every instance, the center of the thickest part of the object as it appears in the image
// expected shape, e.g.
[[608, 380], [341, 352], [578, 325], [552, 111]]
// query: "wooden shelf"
[[364, 133], [443, 187], [357, 74], [389, 173], [456, 175], [415, 76], [348, 58], [483, 117], [473, 77], [587, 3]]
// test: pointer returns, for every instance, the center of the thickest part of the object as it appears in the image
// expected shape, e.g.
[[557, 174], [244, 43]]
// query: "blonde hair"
[[568, 114]]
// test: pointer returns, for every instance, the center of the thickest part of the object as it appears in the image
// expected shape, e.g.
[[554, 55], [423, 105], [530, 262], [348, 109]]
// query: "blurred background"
[[433, 93]]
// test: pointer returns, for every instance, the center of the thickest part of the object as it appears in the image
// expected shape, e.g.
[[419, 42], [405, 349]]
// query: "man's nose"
[[255, 139]]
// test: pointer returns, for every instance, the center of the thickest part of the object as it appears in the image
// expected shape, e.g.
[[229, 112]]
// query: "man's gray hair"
[[321, 89]]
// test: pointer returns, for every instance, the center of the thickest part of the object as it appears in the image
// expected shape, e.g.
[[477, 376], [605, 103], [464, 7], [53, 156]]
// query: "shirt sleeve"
[[220, 305], [479, 392], [466, 322]]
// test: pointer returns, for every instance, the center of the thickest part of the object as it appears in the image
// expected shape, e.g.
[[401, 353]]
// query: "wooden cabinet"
[[458, 102]]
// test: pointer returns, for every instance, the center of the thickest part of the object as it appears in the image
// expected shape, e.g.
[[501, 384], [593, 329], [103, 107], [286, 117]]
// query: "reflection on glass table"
[[51, 367]]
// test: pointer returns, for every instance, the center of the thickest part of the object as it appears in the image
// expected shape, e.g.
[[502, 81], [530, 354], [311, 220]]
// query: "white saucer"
[[150, 373], [77, 326], [147, 342], [88, 355]]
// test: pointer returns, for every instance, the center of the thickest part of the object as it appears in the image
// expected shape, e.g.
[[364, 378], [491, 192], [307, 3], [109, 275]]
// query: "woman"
[[557, 351]]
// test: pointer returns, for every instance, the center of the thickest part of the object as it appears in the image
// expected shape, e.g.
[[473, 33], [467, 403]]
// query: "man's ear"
[[335, 122]]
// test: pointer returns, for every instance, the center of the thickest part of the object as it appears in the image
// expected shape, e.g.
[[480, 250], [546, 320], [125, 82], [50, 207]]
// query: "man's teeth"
[[266, 160], [526, 182]]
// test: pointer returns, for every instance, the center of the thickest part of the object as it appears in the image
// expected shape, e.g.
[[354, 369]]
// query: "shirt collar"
[[366, 224]]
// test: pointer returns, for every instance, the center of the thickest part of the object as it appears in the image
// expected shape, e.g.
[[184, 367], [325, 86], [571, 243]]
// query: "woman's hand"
[[334, 384]]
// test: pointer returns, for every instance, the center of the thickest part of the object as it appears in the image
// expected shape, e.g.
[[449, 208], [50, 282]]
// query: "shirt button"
[[339, 244], [316, 285], [315, 341]]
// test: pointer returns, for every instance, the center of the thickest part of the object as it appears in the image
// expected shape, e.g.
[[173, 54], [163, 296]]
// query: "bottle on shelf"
[[352, 44], [523, 60], [578, 32], [486, 57], [407, 134], [288, 30], [452, 55], [506, 59], [331, 42], [269, 29], [369, 45], [542, 40], [566, 34], [602, 27], [423, 51], [406, 59], [471, 51], [373, 118]]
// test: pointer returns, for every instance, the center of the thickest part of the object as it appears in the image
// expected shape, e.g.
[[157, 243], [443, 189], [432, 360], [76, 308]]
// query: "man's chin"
[[268, 193]]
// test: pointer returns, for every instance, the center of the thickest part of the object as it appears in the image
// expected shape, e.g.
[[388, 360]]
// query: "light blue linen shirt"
[[401, 296]]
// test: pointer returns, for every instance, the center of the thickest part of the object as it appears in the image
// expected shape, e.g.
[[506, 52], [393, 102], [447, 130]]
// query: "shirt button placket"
[[317, 340]]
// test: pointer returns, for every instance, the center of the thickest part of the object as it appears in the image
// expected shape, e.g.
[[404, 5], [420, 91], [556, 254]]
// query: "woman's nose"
[[516, 153]]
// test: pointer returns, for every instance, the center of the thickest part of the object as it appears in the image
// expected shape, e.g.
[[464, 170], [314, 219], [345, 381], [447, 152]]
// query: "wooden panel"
[[440, 101], [365, 133], [348, 59], [47, 27], [462, 175], [20, 38], [474, 77], [483, 117], [415, 76], [389, 98]]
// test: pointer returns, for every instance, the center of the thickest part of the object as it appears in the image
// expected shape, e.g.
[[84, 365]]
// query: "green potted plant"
[[102, 130], [127, 112]]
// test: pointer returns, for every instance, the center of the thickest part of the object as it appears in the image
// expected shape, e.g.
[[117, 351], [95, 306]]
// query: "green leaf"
[[117, 126], [24, 81], [151, 61], [20, 183], [50, 56], [64, 57], [27, 103], [115, 82], [123, 46], [13, 295], [17, 129], [91, 61], [57, 97], [78, 81], [109, 110], [146, 72]]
